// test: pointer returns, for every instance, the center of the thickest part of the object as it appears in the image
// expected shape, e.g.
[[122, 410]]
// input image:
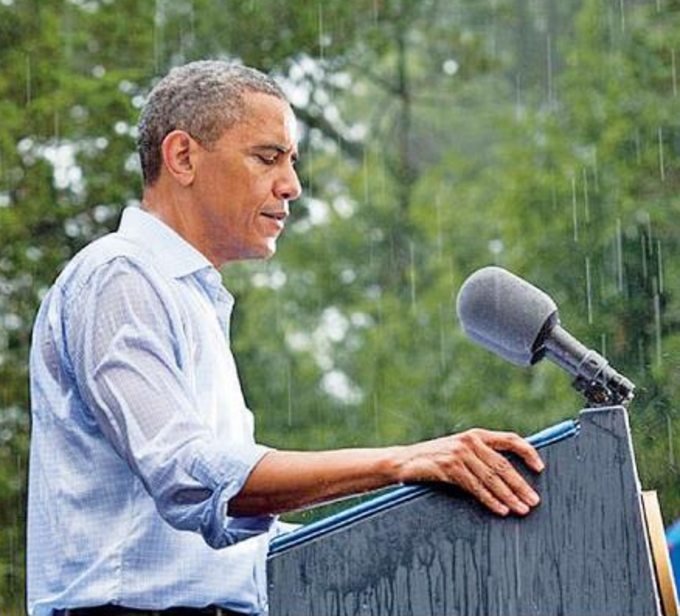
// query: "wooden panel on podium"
[[660, 555], [436, 551]]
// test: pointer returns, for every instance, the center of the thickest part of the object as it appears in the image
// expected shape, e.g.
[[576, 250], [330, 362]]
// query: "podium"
[[434, 550]]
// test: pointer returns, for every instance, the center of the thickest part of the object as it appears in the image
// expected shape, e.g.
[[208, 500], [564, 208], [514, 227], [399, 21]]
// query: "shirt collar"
[[172, 253]]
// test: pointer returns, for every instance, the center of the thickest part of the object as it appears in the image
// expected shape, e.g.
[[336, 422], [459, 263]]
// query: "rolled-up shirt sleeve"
[[129, 353]]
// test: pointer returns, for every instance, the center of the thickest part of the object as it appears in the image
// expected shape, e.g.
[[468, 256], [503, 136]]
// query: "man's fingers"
[[509, 441], [503, 480], [469, 481]]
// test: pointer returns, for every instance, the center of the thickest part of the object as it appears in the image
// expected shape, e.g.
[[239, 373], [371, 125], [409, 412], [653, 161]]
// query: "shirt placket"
[[221, 300]]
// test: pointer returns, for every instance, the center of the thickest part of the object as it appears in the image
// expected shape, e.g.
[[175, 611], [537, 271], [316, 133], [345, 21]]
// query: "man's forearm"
[[288, 480]]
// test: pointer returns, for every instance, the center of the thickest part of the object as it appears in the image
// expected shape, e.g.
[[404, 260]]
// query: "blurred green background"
[[438, 136]]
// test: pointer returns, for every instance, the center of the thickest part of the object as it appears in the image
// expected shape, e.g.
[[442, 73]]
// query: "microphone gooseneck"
[[595, 378]]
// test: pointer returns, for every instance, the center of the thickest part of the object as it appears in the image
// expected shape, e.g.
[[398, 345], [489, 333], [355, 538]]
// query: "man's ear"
[[179, 156]]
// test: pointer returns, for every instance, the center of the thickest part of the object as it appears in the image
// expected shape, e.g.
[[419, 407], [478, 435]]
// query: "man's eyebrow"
[[271, 146]]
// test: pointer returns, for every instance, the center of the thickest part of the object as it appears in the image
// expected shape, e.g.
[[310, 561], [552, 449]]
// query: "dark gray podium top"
[[432, 550]]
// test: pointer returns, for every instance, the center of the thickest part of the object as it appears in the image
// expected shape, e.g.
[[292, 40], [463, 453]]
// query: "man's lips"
[[276, 215], [276, 219]]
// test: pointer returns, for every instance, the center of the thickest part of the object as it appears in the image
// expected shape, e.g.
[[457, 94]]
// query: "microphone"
[[516, 320]]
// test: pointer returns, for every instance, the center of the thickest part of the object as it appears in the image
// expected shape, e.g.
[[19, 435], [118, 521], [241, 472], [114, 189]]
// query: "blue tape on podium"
[[396, 496]]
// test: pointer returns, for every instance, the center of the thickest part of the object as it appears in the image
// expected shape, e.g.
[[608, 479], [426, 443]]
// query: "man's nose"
[[288, 187]]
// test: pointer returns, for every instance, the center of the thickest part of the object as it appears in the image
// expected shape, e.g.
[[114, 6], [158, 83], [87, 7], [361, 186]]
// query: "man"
[[140, 430]]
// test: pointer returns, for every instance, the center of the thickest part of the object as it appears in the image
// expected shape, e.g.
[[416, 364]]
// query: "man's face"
[[245, 181]]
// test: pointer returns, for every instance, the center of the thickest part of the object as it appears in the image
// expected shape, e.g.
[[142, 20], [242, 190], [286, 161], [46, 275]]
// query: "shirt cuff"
[[226, 473]]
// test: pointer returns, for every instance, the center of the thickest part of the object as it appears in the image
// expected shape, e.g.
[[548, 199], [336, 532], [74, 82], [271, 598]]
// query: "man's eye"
[[267, 160]]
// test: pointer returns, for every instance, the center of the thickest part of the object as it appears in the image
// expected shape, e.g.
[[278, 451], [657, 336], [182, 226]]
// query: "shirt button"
[[213, 279]]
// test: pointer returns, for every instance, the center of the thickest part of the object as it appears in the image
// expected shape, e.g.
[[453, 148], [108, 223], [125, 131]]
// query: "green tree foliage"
[[437, 137]]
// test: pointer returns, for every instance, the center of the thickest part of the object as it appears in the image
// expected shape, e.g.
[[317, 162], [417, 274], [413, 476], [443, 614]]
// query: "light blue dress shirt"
[[140, 434]]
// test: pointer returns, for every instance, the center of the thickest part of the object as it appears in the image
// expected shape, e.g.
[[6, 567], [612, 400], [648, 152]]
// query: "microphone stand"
[[599, 383]]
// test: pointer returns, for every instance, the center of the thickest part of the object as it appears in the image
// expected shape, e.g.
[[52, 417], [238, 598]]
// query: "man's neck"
[[175, 212]]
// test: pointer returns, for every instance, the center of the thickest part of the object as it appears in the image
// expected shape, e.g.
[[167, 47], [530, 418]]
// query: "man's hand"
[[471, 461]]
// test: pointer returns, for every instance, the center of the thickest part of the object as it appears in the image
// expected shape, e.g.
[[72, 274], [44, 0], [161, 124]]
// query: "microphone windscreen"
[[504, 313]]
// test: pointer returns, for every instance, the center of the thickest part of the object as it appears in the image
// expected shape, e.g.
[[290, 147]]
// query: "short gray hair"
[[203, 98]]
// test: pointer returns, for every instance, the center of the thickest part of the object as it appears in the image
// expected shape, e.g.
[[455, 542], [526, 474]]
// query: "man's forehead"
[[270, 118]]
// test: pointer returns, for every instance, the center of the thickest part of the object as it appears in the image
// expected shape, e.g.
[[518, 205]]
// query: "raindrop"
[[442, 336], [413, 276], [674, 78], [366, 177], [518, 563], [158, 23], [623, 15], [321, 35], [440, 235], [494, 31], [452, 276], [586, 202], [573, 207], [310, 169], [657, 327], [649, 233], [643, 250], [549, 69], [619, 255], [289, 390], [610, 24], [28, 79], [603, 344], [56, 125], [659, 260], [589, 293], [662, 171]]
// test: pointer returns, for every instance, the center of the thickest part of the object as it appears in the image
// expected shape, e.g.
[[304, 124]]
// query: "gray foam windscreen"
[[504, 313]]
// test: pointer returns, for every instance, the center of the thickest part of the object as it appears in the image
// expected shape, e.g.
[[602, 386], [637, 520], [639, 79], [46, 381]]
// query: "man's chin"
[[264, 252], [254, 252]]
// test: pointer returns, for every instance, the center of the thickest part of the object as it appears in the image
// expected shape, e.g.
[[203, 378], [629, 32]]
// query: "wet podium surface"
[[431, 550]]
